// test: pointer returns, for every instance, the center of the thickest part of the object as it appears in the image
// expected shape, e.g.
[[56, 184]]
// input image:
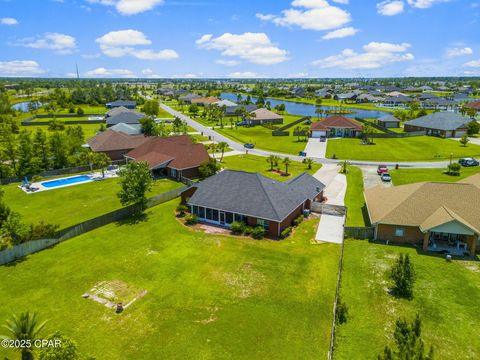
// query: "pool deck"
[[95, 176]]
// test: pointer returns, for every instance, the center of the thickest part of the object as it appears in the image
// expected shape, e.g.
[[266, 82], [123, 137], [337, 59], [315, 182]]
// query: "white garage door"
[[318, 133]]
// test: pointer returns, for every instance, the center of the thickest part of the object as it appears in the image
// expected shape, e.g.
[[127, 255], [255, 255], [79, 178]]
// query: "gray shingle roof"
[[255, 195], [440, 120], [388, 118], [130, 117], [126, 103]]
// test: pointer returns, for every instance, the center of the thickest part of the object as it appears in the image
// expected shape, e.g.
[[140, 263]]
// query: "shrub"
[[71, 110], [36, 178], [41, 231], [298, 220], [191, 219], [80, 111], [341, 312], [248, 230], [403, 276], [237, 227], [454, 169], [258, 232], [181, 210], [286, 232]]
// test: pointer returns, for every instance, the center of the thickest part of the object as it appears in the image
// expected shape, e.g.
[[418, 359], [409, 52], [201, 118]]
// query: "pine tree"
[[403, 276]]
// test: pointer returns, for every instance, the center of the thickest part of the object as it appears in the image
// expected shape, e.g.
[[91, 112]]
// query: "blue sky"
[[223, 38]]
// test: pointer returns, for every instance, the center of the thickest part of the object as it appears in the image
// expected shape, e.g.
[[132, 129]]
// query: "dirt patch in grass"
[[211, 312], [246, 281]]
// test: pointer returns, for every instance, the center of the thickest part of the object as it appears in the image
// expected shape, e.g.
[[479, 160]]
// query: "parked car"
[[323, 139], [382, 169], [248, 146], [386, 177], [468, 162]]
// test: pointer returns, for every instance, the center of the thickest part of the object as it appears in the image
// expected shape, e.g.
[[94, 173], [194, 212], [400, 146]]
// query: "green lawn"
[[445, 296], [74, 204], [409, 176], [354, 200], [259, 164], [420, 148], [209, 296], [163, 114], [89, 130]]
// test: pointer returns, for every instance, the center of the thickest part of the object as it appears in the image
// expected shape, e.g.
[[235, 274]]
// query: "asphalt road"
[[215, 136]]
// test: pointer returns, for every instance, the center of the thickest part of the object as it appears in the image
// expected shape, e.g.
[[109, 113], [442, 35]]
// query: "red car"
[[382, 169]]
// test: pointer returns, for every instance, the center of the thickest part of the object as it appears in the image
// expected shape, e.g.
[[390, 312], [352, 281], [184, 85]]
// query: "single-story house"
[[436, 216], [232, 110], [335, 126], [388, 122], [445, 124], [188, 98], [398, 101], [204, 101], [298, 91], [264, 116], [253, 199], [226, 103], [129, 104], [114, 143], [346, 97], [126, 117], [129, 129], [176, 157], [475, 105]]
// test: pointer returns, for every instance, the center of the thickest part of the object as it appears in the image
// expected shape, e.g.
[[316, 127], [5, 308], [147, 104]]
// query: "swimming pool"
[[66, 181]]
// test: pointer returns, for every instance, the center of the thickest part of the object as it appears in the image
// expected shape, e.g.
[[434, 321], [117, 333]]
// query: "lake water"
[[22, 106], [309, 109]]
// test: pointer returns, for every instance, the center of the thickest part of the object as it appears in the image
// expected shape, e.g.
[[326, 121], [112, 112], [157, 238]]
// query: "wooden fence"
[[31, 121], [32, 246], [361, 233]]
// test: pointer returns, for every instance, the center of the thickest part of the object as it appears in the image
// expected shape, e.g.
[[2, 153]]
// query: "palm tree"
[[213, 149], [271, 160], [298, 131], [101, 160], [222, 146], [24, 327], [318, 111], [309, 163], [276, 160], [286, 161]]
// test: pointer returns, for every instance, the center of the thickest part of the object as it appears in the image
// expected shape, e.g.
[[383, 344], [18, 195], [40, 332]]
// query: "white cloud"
[[185, 76], [123, 42], [149, 73], [473, 64], [311, 15], [265, 17], [102, 72], [20, 68], [390, 7], [91, 56], [8, 21], [341, 1], [228, 62], [455, 52], [424, 4], [129, 7], [243, 75], [375, 55], [253, 47], [340, 33], [60, 43]]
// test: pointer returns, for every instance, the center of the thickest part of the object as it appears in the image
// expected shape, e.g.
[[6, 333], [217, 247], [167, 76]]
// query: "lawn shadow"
[[15, 262], [366, 217], [134, 219]]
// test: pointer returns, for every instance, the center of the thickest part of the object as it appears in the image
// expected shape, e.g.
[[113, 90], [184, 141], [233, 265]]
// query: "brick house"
[[444, 124], [439, 217], [176, 157], [253, 199], [115, 144], [335, 126]]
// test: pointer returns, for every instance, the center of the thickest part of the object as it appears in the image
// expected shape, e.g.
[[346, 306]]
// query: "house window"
[[201, 212], [400, 232], [208, 214], [215, 215], [240, 218], [228, 218], [263, 223], [173, 172], [194, 210]]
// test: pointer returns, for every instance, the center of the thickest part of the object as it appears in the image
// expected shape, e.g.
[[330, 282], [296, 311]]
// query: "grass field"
[[259, 164], [420, 148], [409, 176], [209, 296], [445, 296], [354, 200], [71, 205], [89, 130]]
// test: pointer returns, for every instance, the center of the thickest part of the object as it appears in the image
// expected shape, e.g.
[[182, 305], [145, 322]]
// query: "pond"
[[24, 106], [309, 109]]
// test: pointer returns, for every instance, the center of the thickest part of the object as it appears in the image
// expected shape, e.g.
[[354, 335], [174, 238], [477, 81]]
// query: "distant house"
[[368, 98], [129, 129], [115, 144], [444, 124], [298, 92], [232, 110], [188, 98], [129, 104], [475, 105], [346, 97], [388, 122], [176, 157], [335, 126], [436, 216], [204, 101], [226, 103], [125, 116], [264, 116], [253, 199], [398, 101], [439, 103], [323, 93]]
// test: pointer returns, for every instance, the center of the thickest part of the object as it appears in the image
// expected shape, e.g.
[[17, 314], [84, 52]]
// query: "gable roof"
[[179, 151], [388, 118], [204, 100], [226, 103], [473, 105], [336, 121], [129, 129], [253, 194], [440, 120], [126, 117], [122, 103], [110, 140], [117, 110], [425, 204], [265, 114]]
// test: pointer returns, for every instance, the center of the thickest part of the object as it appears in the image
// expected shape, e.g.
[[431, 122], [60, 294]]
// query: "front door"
[[222, 217]]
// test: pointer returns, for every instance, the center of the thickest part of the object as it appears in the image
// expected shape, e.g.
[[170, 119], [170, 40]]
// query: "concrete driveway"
[[316, 149], [371, 178]]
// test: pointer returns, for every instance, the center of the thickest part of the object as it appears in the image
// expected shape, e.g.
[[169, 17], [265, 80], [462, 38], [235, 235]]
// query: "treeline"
[[26, 153]]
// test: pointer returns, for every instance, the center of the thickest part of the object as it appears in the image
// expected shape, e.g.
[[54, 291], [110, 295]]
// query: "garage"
[[319, 133]]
